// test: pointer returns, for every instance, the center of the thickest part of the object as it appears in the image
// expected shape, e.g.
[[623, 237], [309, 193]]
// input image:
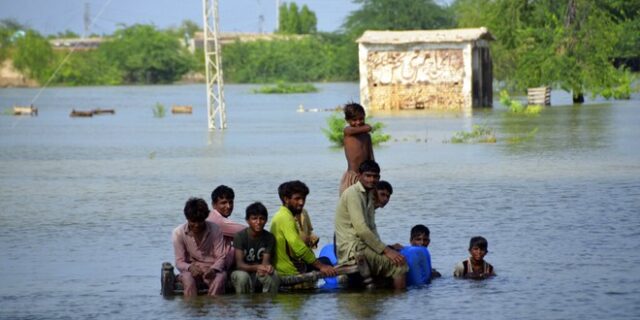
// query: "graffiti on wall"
[[414, 67]]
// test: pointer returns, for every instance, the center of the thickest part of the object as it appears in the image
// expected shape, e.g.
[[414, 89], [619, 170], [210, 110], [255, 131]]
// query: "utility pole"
[[87, 20], [213, 64], [277, 15]]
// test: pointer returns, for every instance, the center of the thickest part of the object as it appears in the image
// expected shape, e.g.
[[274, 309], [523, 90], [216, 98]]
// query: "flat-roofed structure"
[[426, 69]]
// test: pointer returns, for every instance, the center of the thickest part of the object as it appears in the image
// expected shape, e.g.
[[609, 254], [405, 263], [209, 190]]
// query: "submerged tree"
[[567, 44]]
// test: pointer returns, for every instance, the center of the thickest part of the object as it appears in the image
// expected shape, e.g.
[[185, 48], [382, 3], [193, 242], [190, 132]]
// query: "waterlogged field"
[[88, 204]]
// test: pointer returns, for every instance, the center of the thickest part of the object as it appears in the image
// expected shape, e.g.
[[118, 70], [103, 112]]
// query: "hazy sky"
[[53, 16]]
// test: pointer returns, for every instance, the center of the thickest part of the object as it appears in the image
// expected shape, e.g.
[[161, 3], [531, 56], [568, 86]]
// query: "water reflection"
[[577, 127]]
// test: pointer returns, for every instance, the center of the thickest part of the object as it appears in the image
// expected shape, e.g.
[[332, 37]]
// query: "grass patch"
[[335, 130], [479, 134], [285, 88], [516, 106], [159, 110], [523, 138]]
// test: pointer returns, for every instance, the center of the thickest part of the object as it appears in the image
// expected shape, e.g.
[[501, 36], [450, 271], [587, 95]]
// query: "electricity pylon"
[[213, 63]]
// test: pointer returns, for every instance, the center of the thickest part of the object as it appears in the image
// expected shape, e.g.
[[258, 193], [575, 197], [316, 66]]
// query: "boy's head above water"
[[478, 248], [354, 114], [420, 236]]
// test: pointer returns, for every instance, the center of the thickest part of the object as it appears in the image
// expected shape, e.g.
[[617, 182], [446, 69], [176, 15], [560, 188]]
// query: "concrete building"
[[426, 69]]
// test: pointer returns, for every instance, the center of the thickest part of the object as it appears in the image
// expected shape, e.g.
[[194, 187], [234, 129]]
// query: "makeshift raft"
[[170, 287]]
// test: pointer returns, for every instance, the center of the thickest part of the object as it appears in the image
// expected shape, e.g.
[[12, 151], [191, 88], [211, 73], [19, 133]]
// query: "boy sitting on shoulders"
[[254, 249], [475, 267]]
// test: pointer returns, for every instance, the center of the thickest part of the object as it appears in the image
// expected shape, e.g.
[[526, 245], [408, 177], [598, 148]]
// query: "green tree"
[[146, 55], [33, 55], [8, 29], [397, 15], [308, 20], [568, 44], [86, 68], [295, 21]]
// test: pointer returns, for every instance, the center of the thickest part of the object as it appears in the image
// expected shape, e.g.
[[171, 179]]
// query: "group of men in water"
[[214, 251]]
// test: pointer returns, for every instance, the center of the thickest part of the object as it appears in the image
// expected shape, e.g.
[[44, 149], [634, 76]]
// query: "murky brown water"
[[88, 205]]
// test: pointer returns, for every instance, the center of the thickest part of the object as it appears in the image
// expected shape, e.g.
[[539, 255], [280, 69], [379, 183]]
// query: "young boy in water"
[[475, 267], [420, 236], [357, 143], [199, 253], [254, 248]]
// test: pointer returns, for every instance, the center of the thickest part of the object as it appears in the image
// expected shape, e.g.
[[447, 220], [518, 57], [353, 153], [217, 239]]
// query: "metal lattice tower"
[[213, 63]]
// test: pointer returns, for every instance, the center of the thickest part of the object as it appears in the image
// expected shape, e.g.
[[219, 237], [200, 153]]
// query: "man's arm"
[[355, 208], [241, 265], [179, 250], [298, 248], [218, 250], [265, 267]]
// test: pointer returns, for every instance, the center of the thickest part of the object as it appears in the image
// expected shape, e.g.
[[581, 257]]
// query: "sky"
[[54, 16]]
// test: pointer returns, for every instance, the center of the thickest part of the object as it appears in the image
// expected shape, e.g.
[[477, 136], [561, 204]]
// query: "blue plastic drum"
[[419, 261]]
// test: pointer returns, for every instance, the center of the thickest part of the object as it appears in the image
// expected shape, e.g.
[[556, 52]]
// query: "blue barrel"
[[419, 261], [329, 252]]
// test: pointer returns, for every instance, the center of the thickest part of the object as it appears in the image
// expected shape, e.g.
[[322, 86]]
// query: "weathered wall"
[[417, 79]]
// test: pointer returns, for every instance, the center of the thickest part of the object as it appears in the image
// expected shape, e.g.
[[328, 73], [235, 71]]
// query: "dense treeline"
[[570, 44]]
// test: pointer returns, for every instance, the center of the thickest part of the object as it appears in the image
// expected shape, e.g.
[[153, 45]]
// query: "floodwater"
[[88, 204]]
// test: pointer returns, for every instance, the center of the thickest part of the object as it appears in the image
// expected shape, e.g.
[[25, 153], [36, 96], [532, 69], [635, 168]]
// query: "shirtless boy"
[[357, 143]]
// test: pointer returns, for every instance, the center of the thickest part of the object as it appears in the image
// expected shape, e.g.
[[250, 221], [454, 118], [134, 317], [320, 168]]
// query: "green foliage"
[[33, 55], [516, 106], [623, 88], [282, 87], [294, 21], [8, 29], [86, 68], [478, 134], [159, 110], [321, 57], [397, 15], [146, 55], [566, 44], [335, 130]]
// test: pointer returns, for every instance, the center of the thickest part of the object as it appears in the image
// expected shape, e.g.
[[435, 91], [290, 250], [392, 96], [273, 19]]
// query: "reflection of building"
[[77, 43], [197, 42], [434, 69]]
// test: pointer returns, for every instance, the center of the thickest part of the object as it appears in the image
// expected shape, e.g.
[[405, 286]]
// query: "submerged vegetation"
[[335, 130], [516, 106], [282, 87], [159, 110], [478, 134]]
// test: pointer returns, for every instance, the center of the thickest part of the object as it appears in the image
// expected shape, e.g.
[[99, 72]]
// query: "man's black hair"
[[196, 210], [384, 185], [289, 188], [352, 109], [369, 166], [419, 229], [479, 242], [221, 192], [256, 209]]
